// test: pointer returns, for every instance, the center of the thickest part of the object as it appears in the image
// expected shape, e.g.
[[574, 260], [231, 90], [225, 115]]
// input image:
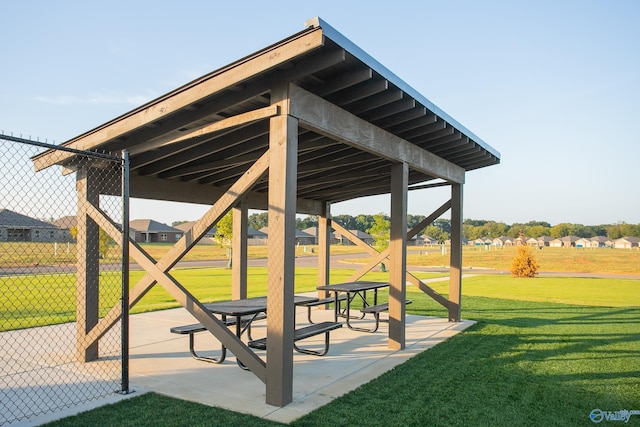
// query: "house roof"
[[66, 221], [191, 144], [359, 234], [151, 226], [314, 232], [299, 233], [629, 239], [186, 226], [14, 219]]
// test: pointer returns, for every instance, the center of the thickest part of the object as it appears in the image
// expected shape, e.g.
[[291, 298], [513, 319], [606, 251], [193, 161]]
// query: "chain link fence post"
[[63, 275]]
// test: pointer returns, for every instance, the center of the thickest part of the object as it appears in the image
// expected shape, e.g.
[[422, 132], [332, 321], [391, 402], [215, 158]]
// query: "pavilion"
[[306, 122]]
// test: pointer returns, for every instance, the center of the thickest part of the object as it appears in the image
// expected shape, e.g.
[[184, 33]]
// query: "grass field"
[[527, 362], [545, 351], [615, 261]]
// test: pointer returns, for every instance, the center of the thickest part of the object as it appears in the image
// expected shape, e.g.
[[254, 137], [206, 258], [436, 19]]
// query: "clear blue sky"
[[554, 86]]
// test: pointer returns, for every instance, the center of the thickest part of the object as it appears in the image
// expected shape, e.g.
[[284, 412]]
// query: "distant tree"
[[347, 221], [537, 230], [436, 233], [622, 229], [538, 223], [524, 263], [176, 223], [560, 230], [495, 229], [363, 222], [596, 230], [309, 221], [104, 241], [414, 220], [475, 222], [443, 224], [224, 234], [258, 220], [471, 232], [380, 231], [516, 230]]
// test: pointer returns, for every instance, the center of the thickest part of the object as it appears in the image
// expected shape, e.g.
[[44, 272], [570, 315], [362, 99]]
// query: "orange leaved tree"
[[524, 264]]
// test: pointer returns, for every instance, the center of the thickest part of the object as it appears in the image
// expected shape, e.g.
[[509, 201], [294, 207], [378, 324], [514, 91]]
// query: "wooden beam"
[[328, 119], [239, 251], [189, 94], [283, 146], [230, 122], [455, 272], [324, 251], [398, 255], [87, 266]]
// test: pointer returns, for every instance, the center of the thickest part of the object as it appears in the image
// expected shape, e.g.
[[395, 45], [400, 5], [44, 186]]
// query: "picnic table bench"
[[303, 333], [195, 328], [317, 302], [376, 310]]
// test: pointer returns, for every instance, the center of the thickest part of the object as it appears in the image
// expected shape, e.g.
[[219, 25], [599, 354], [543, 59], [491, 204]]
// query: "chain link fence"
[[48, 281]]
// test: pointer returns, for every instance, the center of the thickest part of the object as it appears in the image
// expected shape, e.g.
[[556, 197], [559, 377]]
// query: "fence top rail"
[[59, 147]]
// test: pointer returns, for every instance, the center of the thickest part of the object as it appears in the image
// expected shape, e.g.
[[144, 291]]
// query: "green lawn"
[[527, 361]]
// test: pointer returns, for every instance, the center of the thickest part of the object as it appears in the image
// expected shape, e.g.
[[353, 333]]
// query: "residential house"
[[564, 242], [601, 242], [543, 241], [556, 243], [628, 242], [521, 241], [416, 240], [583, 242], [302, 238], [539, 242], [482, 241], [206, 239], [65, 224], [365, 237], [503, 241], [150, 231], [314, 232], [428, 240], [15, 227]]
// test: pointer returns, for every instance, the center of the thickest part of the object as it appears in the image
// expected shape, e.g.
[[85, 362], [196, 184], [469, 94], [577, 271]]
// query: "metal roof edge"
[[363, 56]]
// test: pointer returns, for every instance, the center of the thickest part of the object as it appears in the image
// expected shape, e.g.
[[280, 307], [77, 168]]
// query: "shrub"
[[524, 264]]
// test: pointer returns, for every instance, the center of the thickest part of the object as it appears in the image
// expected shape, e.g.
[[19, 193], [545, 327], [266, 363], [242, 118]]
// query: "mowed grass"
[[38, 300], [526, 362], [574, 260]]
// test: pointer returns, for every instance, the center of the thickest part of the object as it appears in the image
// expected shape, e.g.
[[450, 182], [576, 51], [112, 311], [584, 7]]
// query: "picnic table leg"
[[216, 360], [363, 297], [239, 334]]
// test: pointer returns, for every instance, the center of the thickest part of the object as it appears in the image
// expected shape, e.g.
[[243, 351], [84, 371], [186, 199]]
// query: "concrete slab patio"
[[160, 362]]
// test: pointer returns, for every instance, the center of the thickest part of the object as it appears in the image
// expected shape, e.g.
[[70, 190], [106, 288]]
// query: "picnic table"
[[242, 313], [353, 289]]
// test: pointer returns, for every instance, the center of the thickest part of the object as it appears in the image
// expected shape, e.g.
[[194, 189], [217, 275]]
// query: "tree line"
[[472, 229]]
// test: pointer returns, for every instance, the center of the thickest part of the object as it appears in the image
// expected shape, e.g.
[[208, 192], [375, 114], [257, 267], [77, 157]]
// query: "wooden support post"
[[324, 252], [283, 146], [88, 266], [398, 255], [239, 257], [455, 274]]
